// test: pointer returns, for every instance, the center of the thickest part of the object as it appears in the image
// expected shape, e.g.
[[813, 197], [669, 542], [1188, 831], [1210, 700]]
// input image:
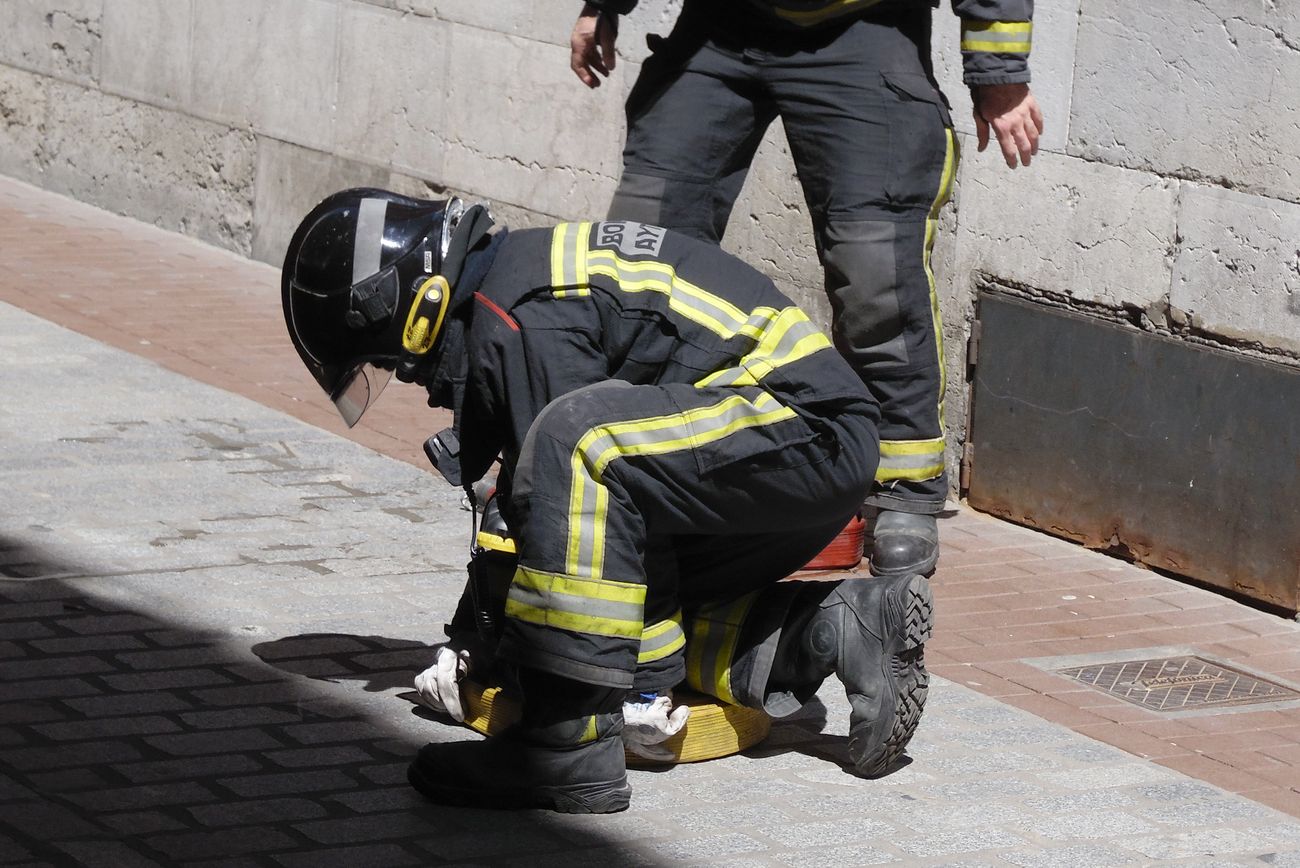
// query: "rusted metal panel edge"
[[1181, 457]]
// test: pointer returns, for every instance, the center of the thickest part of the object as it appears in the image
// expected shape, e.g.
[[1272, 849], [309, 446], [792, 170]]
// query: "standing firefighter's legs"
[[694, 120], [873, 145]]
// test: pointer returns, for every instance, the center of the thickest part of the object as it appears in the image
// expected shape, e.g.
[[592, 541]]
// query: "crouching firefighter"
[[675, 437]]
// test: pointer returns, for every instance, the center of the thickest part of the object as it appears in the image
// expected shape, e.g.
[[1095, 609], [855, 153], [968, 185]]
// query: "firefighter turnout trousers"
[[629, 514], [872, 142]]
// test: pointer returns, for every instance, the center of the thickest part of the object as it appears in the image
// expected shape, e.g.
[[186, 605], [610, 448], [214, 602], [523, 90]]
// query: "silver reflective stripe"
[[911, 462], [589, 608], [994, 36], [796, 330], [698, 305], [569, 264], [369, 241], [654, 647], [568, 255]]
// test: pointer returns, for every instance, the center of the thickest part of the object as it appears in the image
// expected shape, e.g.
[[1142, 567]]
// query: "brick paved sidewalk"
[[1013, 603]]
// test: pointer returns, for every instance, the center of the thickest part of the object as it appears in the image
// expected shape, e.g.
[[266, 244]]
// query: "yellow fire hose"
[[714, 729]]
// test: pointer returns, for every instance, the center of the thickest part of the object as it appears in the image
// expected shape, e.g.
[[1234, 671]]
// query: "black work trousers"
[[872, 142], [637, 505]]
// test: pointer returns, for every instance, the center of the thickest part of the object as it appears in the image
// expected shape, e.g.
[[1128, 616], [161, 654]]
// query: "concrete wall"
[[1167, 194]]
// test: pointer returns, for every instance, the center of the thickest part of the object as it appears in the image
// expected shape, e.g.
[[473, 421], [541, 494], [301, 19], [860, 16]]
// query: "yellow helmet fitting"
[[424, 321]]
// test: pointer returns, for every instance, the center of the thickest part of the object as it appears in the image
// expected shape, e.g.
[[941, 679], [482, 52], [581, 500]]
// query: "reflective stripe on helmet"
[[369, 241]]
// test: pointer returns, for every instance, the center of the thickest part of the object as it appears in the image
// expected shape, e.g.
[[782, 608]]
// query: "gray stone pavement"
[[210, 613]]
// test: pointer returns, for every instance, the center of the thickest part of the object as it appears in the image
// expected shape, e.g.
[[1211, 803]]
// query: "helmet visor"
[[359, 388]]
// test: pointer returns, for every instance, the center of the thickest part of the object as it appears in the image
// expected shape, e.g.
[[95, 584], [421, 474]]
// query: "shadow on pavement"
[[378, 661], [382, 663], [128, 740], [20, 560]]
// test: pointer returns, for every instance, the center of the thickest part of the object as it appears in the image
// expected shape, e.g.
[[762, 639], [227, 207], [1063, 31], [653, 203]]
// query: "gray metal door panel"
[[1185, 457]]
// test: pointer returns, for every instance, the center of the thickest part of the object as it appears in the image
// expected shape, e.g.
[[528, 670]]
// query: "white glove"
[[646, 725], [439, 685]]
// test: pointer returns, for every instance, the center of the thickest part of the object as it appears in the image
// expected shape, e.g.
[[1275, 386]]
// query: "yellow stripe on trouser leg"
[[660, 435], [661, 639], [919, 460], [571, 591], [910, 459], [715, 632]]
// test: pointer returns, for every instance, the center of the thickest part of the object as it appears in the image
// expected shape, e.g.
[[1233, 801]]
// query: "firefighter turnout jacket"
[[648, 393], [996, 35]]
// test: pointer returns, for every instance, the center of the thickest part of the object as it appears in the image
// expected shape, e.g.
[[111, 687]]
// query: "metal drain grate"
[[1178, 684]]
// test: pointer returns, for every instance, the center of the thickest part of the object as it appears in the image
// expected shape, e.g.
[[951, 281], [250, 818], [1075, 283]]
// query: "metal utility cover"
[[1178, 684], [1183, 457]]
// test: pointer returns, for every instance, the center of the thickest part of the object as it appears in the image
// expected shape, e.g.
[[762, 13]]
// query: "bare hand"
[[1013, 113], [591, 47]]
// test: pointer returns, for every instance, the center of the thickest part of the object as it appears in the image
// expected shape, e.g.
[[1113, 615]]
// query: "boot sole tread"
[[911, 607]]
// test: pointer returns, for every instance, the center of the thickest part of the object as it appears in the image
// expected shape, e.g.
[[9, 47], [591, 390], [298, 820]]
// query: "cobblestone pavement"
[[212, 612]]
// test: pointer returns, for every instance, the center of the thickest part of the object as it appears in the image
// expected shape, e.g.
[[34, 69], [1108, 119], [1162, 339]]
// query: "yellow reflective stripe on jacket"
[[684, 298], [715, 632], [661, 639], [910, 459], [1004, 37], [582, 605], [569, 255], [789, 337], [598, 447], [580, 292], [573, 263], [781, 336]]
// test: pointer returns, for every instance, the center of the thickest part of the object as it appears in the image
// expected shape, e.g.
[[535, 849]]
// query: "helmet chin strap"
[[428, 312]]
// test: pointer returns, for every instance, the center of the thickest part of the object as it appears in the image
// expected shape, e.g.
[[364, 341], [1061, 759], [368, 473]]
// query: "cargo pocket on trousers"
[[918, 120], [720, 440]]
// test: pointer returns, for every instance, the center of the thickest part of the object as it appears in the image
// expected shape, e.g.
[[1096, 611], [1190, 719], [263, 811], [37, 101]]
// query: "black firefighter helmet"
[[367, 285]]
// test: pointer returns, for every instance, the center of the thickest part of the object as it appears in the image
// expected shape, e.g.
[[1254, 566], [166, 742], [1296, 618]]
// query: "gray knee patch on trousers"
[[862, 283], [639, 198]]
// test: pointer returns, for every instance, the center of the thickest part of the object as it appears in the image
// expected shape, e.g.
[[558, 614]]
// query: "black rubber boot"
[[871, 634], [565, 755], [905, 544]]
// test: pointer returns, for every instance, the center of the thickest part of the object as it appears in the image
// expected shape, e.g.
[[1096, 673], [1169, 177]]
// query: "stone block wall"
[[1167, 194]]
